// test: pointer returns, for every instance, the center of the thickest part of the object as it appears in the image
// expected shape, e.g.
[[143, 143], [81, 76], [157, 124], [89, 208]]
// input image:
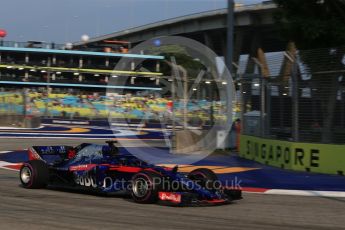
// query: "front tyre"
[[145, 187], [205, 178], [34, 174]]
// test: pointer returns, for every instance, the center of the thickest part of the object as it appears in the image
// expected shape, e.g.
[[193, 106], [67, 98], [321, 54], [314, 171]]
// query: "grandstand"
[[69, 68], [51, 81], [99, 106]]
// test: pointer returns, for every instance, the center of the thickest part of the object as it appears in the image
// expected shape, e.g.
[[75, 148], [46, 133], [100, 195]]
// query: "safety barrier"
[[319, 158], [20, 121]]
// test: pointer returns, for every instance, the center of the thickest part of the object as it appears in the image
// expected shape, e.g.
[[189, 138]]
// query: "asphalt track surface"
[[51, 209]]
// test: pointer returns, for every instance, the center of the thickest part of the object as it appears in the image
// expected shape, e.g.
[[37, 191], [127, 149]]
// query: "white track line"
[[64, 134], [120, 133], [43, 137], [3, 165], [306, 193], [5, 152], [19, 128], [78, 138]]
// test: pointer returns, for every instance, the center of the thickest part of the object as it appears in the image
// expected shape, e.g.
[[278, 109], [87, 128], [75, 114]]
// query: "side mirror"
[[175, 169], [114, 150]]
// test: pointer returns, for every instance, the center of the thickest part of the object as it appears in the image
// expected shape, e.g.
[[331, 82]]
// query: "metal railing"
[[296, 96], [32, 44]]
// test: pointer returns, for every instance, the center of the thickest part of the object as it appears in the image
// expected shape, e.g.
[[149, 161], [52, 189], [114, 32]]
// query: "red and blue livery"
[[105, 169]]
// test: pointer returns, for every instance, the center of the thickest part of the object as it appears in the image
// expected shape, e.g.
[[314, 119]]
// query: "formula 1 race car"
[[104, 169]]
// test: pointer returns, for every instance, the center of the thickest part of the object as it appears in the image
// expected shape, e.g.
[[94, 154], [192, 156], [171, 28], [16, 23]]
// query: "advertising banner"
[[320, 158]]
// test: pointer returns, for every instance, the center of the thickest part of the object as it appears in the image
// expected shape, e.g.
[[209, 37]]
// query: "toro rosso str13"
[[104, 169]]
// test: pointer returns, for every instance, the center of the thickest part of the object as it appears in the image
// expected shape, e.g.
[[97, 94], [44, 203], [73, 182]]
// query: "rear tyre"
[[145, 187], [34, 174], [205, 178]]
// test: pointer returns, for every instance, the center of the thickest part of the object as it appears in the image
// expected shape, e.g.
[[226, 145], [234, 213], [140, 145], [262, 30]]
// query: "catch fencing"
[[294, 95]]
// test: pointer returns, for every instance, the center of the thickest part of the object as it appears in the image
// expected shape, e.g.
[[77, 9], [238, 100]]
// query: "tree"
[[312, 23], [317, 24]]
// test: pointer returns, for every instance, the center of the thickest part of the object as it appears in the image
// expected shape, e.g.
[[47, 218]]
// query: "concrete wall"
[[20, 121], [194, 141]]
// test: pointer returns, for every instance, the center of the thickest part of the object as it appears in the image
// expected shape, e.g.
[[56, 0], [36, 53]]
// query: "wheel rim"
[[140, 187], [25, 175]]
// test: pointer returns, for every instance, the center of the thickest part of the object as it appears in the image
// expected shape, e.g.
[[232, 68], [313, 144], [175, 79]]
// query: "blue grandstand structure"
[[52, 81]]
